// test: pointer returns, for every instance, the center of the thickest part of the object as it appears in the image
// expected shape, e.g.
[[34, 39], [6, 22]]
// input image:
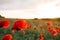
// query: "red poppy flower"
[[49, 23], [28, 26], [19, 24], [57, 29], [4, 24], [53, 31], [41, 37], [7, 37], [50, 28]]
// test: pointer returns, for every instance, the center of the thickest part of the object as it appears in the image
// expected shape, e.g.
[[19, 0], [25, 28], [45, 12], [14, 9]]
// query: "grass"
[[31, 34]]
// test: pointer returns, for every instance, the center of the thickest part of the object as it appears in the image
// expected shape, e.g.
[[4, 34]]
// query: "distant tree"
[[1, 16], [35, 18]]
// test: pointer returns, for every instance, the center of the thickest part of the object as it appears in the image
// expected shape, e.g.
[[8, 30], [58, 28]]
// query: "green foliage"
[[58, 19], [31, 34]]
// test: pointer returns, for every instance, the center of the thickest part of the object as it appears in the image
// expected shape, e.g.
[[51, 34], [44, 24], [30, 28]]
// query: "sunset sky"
[[30, 8]]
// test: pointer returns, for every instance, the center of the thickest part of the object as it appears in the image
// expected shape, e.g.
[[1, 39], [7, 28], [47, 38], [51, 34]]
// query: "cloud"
[[21, 4], [45, 9]]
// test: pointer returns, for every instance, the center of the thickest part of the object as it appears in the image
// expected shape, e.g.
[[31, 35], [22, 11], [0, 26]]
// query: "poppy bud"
[[41, 37]]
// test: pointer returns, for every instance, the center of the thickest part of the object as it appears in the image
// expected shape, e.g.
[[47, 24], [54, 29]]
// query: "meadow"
[[38, 29]]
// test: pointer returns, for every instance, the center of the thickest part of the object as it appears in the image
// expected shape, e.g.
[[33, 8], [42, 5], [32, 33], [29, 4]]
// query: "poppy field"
[[29, 29]]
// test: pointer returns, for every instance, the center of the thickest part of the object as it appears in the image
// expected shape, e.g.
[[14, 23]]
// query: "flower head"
[[49, 23], [41, 37], [7, 37], [53, 31], [19, 24], [4, 23], [57, 29]]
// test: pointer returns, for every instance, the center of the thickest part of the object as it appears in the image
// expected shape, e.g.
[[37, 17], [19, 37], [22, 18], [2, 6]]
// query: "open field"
[[33, 33]]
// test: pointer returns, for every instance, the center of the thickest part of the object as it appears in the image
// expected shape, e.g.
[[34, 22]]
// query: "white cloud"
[[21, 4], [44, 9]]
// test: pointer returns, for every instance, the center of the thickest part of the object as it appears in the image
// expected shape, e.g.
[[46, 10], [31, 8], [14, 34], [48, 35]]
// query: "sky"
[[28, 9]]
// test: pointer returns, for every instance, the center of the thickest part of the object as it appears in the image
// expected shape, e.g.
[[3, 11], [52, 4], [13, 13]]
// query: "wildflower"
[[7, 37], [41, 37], [53, 31], [19, 25], [28, 26], [49, 23], [4, 24], [57, 29]]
